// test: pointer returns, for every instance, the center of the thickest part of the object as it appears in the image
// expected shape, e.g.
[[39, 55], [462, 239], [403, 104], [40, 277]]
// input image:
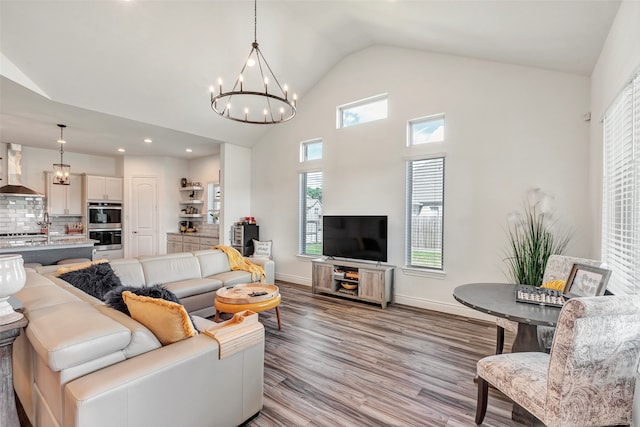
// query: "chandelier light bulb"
[[251, 62]]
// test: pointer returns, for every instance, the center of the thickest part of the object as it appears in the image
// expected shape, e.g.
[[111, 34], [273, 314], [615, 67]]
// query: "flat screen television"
[[362, 237]]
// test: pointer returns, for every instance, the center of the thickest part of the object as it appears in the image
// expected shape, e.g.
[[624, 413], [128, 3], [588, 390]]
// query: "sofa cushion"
[[186, 288], [129, 271], [233, 277], [170, 268], [168, 320], [96, 279], [71, 333], [212, 262], [142, 339]]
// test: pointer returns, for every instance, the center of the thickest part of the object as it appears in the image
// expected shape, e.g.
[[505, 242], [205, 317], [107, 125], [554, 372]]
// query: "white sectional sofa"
[[192, 276], [80, 363]]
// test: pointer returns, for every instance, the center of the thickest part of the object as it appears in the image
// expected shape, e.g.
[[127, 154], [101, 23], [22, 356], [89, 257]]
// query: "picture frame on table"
[[586, 281]]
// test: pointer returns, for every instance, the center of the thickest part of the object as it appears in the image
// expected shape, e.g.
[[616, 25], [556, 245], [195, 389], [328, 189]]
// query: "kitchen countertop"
[[195, 234], [57, 242]]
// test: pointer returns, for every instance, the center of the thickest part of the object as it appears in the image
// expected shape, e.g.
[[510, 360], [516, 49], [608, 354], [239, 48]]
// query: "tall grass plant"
[[533, 238]]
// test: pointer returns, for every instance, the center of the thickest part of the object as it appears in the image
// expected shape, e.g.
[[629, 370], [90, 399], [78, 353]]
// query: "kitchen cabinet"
[[101, 188], [64, 199], [189, 242]]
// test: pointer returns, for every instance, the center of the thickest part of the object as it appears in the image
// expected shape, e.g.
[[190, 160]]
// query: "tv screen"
[[355, 236]]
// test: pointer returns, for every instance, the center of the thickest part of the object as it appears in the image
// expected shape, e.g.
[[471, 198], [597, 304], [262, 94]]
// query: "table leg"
[[526, 339], [8, 411], [278, 316]]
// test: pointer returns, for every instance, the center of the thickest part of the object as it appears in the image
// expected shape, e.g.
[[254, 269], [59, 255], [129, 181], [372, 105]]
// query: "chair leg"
[[499, 339], [481, 406]]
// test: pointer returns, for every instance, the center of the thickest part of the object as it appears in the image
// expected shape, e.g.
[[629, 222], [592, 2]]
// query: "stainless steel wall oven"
[[104, 224], [104, 215], [107, 239]]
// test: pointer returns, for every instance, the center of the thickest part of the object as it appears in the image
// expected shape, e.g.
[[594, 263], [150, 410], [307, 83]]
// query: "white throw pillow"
[[261, 249]]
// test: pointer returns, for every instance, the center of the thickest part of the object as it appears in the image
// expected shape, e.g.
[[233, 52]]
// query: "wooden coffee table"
[[255, 297]]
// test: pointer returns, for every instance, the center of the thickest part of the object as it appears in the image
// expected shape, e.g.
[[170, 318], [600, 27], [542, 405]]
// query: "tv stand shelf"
[[352, 279]]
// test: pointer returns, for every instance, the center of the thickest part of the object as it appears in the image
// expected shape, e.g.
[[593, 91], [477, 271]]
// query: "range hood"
[[14, 174]]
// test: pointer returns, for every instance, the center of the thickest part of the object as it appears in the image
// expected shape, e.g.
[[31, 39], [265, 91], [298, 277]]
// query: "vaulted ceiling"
[[116, 72]]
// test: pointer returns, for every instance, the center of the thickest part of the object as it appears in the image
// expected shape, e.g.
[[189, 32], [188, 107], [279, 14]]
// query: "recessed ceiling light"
[[148, 140], [189, 150], [122, 150]]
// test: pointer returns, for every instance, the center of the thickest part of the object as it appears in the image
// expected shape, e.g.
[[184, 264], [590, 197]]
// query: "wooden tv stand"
[[354, 280]]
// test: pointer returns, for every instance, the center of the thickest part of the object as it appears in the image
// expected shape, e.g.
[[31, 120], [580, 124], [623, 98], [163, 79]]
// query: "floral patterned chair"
[[589, 377], [558, 268]]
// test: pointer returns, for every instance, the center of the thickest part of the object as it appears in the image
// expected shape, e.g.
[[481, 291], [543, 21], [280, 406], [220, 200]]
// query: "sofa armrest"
[[149, 389], [268, 265]]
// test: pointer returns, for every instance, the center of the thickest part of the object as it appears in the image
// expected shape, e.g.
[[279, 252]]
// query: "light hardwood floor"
[[343, 363]]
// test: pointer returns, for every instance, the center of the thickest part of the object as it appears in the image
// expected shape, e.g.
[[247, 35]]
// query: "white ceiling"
[[117, 71]]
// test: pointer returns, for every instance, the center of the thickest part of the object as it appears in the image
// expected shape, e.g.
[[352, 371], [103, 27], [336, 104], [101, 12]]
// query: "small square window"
[[311, 150], [366, 110], [426, 130]]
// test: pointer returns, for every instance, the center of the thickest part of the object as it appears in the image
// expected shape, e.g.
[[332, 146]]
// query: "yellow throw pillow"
[[169, 321], [558, 285], [80, 266]]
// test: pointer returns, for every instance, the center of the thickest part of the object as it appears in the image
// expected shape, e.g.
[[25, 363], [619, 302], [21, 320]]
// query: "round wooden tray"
[[242, 294]]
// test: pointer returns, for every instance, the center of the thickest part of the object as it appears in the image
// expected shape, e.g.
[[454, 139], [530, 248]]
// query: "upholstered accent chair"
[[558, 268], [589, 377]]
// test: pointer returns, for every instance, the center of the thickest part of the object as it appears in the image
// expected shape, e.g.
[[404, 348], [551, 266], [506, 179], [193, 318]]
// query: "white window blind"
[[621, 191], [425, 203], [310, 237]]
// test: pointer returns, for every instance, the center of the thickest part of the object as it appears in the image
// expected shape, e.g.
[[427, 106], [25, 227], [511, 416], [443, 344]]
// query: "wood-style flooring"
[[338, 362]]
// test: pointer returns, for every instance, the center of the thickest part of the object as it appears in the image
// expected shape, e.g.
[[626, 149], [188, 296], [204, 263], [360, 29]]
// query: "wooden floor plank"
[[337, 362]]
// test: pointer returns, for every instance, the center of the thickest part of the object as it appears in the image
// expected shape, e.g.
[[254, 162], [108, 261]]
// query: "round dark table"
[[499, 299]]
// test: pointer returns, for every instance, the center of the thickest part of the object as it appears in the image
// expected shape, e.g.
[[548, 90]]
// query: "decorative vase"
[[12, 279]]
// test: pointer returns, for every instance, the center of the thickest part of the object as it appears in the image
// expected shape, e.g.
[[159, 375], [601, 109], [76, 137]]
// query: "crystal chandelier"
[[256, 96], [61, 171]]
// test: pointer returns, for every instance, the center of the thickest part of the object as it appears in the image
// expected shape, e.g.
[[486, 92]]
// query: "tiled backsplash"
[[21, 215]]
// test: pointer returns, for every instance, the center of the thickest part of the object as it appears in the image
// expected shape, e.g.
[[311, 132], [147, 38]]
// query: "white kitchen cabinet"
[[103, 188], [64, 199]]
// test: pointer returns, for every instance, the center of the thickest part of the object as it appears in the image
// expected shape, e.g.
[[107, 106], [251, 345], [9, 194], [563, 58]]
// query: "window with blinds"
[[425, 203], [621, 191], [310, 241]]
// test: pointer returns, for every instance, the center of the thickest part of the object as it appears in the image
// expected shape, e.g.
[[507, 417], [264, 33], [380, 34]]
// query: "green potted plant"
[[533, 236]]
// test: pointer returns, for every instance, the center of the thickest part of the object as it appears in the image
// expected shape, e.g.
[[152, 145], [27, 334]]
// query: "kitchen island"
[[49, 251]]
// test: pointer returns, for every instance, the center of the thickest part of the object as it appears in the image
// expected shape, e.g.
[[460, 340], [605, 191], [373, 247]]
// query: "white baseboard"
[[294, 279], [451, 308]]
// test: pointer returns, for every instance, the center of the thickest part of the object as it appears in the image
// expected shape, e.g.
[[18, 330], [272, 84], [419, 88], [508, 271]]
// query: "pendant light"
[[61, 171]]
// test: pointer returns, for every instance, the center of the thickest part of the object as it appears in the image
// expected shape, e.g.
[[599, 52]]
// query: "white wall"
[[36, 161], [509, 129], [619, 59], [235, 182]]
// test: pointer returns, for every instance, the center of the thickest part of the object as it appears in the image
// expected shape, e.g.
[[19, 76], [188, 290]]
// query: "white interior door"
[[144, 216]]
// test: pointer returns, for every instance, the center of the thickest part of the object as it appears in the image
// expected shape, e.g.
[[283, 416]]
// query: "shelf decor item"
[[12, 279], [533, 238]]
